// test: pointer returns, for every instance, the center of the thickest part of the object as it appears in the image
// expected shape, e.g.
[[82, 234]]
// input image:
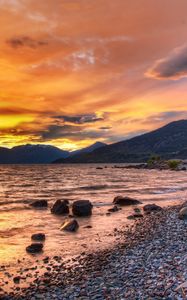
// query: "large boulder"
[[183, 213], [34, 248], [120, 200], [60, 207], [38, 237], [39, 204], [82, 208], [151, 208], [70, 225]]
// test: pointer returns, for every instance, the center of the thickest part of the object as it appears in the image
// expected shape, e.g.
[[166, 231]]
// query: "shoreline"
[[146, 262]]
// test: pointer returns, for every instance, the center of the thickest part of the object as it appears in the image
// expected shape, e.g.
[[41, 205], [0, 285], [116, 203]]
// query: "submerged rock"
[[38, 237], [60, 207], [120, 200], [39, 204], [70, 225], [151, 208], [183, 213], [82, 208], [113, 209], [34, 248]]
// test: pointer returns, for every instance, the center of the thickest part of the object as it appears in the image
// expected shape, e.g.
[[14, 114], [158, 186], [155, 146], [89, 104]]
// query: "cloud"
[[25, 41], [74, 133], [105, 128], [80, 119], [14, 5], [173, 67], [58, 131], [13, 111], [165, 117]]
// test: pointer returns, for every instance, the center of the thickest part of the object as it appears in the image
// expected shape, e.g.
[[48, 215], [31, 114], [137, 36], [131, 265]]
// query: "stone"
[[183, 213], [82, 208], [34, 248], [151, 208], [38, 237], [113, 209], [70, 225], [17, 279], [60, 207], [124, 201], [135, 216], [39, 204]]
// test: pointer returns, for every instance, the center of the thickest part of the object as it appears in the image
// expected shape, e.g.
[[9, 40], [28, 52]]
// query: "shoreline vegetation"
[[157, 163], [148, 261]]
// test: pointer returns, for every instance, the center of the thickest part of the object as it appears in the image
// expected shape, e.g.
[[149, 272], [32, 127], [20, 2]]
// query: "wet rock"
[[39, 204], [34, 248], [151, 208], [135, 216], [183, 213], [38, 237], [120, 200], [60, 207], [82, 208], [113, 209], [70, 225], [17, 279]]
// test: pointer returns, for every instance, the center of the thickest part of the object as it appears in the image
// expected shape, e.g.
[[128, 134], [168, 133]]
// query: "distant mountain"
[[31, 154], [88, 149], [169, 141]]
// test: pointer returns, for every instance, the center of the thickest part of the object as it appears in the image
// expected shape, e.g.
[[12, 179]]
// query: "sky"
[[73, 72]]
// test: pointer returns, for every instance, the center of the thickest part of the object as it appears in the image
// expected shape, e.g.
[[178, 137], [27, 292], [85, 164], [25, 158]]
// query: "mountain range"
[[169, 141], [39, 154]]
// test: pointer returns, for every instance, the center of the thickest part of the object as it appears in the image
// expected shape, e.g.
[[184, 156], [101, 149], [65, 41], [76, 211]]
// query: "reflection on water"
[[20, 185]]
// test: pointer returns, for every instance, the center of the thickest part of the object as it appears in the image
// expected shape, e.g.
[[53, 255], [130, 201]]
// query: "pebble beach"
[[147, 261]]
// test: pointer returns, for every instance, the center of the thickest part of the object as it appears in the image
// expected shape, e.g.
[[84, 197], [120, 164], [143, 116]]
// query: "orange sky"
[[73, 72]]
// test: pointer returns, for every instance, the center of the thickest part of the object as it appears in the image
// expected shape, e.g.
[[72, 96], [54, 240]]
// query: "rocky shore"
[[148, 261]]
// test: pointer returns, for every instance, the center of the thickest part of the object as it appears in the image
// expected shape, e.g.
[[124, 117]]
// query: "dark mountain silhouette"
[[88, 149], [169, 141], [31, 154]]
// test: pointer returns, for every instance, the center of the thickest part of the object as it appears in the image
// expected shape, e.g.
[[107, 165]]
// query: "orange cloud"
[[65, 62]]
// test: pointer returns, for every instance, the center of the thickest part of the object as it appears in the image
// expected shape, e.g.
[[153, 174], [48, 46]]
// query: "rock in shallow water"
[[120, 200], [82, 208], [70, 225], [34, 248], [38, 237], [113, 209], [60, 207], [39, 204], [151, 208]]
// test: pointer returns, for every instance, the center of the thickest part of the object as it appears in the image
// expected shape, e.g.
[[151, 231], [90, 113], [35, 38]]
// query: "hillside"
[[28, 154], [168, 141]]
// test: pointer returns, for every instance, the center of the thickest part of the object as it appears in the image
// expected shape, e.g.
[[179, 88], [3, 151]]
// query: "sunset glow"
[[73, 72]]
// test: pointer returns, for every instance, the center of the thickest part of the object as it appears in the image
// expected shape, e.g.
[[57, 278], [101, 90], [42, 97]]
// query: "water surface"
[[22, 184]]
